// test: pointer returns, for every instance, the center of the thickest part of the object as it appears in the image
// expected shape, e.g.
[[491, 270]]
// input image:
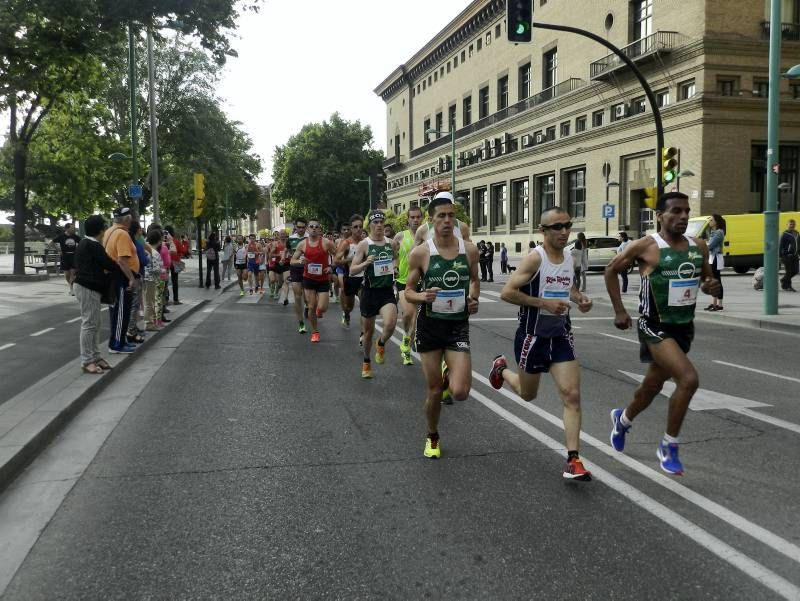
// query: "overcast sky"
[[300, 62]]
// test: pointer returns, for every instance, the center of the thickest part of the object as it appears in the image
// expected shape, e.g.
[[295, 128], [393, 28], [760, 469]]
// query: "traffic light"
[[199, 194], [669, 163], [519, 20], [650, 197]]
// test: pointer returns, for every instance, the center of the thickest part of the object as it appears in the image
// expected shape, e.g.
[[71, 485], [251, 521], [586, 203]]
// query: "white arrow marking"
[[708, 400]]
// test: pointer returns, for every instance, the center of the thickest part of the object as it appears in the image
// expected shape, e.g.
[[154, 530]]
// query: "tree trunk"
[[20, 221]]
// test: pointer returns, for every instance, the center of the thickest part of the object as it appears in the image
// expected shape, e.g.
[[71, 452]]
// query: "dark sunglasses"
[[314, 227], [558, 226]]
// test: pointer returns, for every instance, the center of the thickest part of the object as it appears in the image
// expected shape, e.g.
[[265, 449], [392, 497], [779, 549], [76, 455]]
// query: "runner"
[[375, 258], [275, 252], [672, 266], [240, 262], [542, 286], [341, 270], [252, 262], [425, 232], [447, 268], [282, 269], [345, 252], [405, 243], [262, 264], [296, 273], [314, 255]]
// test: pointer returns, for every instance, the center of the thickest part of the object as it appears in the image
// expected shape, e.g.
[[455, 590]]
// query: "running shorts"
[[535, 354], [67, 262], [340, 270], [240, 266], [296, 274], [315, 285], [252, 266], [440, 334], [373, 299], [652, 331], [352, 286]]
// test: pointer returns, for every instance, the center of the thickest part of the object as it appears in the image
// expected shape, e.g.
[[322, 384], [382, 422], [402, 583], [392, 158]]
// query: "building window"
[[728, 86], [524, 81], [430, 80], [499, 205], [761, 88], [439, 123], [478, 45], [686, 90], [479, 212], [483, 102], [398, 208], [435, 76], [795, 91], [662, 98], [641, 19], [545, 192], [448, 66], [519, 202], [488, 37], [502, 93], [451, 117], [619, 111], [638, 105], [580, 124], [574, 190], [455, 61], [597, 118], [424, 84], [564, 129], [466, 111], [497, 30], [550, 133], [790, 163], [470, 51], [426, 125], [463, 55], [441, 71], [549, 68]]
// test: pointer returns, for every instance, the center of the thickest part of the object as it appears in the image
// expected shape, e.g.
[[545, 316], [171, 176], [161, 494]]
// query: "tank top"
[[405, 247], [669, 293], [381, 273], [317, 259], [252, 253], [241, 254], [275, 253], [292, 242], [551, 281], [452, 276]]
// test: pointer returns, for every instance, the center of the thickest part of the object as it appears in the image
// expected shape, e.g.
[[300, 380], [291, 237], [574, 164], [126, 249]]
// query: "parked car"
[[601, 250]]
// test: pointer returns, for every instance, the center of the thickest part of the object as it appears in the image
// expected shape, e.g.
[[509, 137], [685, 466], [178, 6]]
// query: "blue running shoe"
[[668, 457], [618, 431]]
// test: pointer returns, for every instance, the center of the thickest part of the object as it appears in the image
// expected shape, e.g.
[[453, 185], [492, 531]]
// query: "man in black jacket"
[[789, 255]]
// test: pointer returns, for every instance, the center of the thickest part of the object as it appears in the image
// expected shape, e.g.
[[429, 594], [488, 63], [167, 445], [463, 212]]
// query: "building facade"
[[555, 121]]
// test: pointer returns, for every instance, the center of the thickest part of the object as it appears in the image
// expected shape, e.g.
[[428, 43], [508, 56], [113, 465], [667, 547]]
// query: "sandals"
[[104, 365], [136, 339], [92, 368]]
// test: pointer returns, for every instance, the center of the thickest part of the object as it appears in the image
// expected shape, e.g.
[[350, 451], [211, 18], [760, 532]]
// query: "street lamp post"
[[369, 190], [452, 133], [132, 86], [605, 210]]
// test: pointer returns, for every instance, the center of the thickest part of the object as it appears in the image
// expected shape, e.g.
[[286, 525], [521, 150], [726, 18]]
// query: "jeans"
[[89, 301], [215, 266], [790, 264], [227, 269]]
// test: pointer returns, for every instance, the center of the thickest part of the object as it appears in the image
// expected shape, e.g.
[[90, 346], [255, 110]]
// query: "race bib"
[[559, 294], [251, 255], [683, 293], [315, 268], [383, 267], [449, 301]]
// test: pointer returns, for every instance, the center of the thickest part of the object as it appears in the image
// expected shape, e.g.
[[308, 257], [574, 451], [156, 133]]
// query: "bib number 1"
[[449, 301]]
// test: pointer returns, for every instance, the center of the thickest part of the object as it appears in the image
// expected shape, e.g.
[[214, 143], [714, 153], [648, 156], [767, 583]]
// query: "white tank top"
[[552, 281]]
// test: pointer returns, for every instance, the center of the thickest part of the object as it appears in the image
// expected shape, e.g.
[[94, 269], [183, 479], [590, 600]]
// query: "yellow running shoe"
[[432, 449], [447, 395], [406, 357], [380, 354], [366, 371]]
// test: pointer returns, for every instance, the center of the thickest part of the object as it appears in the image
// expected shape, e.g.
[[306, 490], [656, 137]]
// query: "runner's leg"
[[567, 377], [432, 369], [459, 365], [674, 362]]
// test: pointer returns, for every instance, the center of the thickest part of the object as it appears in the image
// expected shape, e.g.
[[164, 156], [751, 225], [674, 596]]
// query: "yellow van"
[[744, 237]]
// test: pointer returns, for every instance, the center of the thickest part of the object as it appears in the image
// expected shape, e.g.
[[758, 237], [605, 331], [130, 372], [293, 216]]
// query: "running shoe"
[[125, 349], [668, 457], [499, 363], [285, 302], [315, 337], [241, 292], [447, 395], [366, 370], [406, 357], [432, 449], [575, 471], [405, 345], [380, 354], [347, 319], [302, 328], [344, 320], [618, 431]]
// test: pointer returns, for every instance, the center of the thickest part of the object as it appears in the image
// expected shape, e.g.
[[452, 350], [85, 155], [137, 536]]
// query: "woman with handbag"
[[212, 260], [227, 258], [715, 256]]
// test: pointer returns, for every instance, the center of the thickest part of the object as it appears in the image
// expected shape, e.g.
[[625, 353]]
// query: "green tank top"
[[452, 276], [292, 242], [405, 247], [381, 273], [669, 293]]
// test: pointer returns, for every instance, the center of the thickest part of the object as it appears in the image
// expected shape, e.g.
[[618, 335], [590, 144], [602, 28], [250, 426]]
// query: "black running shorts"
[[652, 332], [316, 285], [373, 299], [352, 285], [434, 334]]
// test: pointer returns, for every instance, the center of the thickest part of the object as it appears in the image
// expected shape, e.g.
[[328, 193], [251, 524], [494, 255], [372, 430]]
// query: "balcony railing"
[[789, 31], [556, 91], [649, 47]]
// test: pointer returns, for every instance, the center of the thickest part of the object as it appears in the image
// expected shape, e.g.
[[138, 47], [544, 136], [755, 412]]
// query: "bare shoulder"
[[464, 230], [418, 253]]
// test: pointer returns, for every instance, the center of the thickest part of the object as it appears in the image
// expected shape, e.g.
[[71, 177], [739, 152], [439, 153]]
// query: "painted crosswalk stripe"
[[40, 332], [5, 346], [491, 293], [73, 320]]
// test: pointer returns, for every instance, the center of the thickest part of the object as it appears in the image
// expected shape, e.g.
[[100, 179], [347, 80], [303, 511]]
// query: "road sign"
[[135, 191], [609, 211]]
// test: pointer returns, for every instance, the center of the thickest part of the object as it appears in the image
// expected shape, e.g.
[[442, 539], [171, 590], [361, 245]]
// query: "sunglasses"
[[558, 226], [314, 227]]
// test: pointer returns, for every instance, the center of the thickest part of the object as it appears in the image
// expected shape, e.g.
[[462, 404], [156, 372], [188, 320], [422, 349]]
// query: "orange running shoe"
[[315, 337], [575, 471]]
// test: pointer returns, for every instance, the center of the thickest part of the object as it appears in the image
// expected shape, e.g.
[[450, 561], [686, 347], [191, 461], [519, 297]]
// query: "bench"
[[49, 261]]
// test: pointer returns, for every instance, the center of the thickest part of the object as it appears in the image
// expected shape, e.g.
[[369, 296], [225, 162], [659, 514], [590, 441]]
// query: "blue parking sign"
[[135, 191], [609, 211]]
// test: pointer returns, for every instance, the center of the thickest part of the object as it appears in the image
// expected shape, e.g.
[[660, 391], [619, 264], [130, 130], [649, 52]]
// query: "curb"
[[17, 461]]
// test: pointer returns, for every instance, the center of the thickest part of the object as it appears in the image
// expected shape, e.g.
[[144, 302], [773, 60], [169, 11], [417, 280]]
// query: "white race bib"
[[251, 255], [315, 268], [557, 294], [683, 293], [449, 301], [383, 267]]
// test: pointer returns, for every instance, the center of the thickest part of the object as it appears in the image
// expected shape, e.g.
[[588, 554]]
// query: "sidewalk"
[[31, 419]]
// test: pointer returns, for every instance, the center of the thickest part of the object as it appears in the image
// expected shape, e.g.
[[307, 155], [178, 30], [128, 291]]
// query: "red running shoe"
[[575, 471], [315, 337], [496, 375]]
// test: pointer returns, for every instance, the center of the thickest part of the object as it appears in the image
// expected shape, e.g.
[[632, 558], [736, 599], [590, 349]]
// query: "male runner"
[[341, 270], [447, 267], [313, 255], [672, 266], [252, 262], [263, 245], [345, 252], [296, 273], [275, 252], [425, 232], [375, 258], [240, 262], [282, 269], [405, 243], [542, 286]]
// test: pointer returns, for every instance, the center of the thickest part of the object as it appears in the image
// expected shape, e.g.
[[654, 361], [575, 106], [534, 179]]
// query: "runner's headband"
[[376, 216]]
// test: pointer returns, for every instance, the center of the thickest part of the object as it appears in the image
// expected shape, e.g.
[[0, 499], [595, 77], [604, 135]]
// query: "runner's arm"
[[298, 260], [524, 273], [359, 261], [416, 260], [474, 279], [620, 263]]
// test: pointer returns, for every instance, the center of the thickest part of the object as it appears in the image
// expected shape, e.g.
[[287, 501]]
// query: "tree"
[[314, 172]]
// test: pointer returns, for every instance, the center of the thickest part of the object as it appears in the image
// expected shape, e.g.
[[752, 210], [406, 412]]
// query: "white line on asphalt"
[[40, 332], [619, 338], [9, 345], [758, 371], [491, 293], [483, 299], [493, 319], [73, 320]]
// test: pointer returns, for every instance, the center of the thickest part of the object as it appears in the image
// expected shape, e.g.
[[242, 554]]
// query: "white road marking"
[[9, 345], [758, 371], [73, 320], [619, 338], [491, 293], [483, 299], [493, 319], [40, 332]]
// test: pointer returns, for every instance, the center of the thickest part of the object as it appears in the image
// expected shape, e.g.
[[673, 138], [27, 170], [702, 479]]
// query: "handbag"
[[179, 266]]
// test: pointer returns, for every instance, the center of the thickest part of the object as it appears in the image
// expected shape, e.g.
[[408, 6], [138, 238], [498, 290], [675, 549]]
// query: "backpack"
[[758, 279], [211, 254]]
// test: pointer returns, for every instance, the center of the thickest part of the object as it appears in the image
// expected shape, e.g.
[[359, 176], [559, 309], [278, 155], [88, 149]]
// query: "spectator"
[[482, 259], [715, 257], [120, 247], [531, 246], [186, 252], [623, 242], [135, 333], [580, 261], [789, 255], [154, 279], [489, 260], [227, 258], [212, 260], [166, 263], [93, 268], [176, 252], [68, 242], [503, 258]]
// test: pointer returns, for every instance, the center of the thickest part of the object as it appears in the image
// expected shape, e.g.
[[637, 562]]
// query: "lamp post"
[[605, 210], [369, 184], [132, 90], [452, 133]]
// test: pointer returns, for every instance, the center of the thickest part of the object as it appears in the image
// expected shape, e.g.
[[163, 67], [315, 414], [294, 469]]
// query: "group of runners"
[[430, 271]]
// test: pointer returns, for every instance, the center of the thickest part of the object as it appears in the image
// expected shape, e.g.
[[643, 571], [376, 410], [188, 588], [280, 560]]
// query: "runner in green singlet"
[[296, 273], [405, 242], [673, 267]]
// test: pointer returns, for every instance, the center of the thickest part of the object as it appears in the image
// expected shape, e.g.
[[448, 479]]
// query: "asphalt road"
[[255, 465]]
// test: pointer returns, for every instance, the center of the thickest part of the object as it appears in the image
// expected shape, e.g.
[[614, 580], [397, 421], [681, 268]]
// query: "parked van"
[[744, 237]]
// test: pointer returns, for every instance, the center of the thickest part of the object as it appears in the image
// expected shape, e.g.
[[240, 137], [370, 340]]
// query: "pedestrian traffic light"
[[519, 20], [199, 194], [669, 162]]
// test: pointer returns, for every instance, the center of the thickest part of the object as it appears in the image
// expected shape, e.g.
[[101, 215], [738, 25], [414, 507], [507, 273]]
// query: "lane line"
[[619, 338], [493, 319], [780, 423], [40, 332], [104, 308], [758, 371], [483, 299], [491, 293], [9, 345], [73, 320]]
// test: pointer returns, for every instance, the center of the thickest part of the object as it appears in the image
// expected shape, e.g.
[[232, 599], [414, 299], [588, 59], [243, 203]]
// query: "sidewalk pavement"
[[31, 419]]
